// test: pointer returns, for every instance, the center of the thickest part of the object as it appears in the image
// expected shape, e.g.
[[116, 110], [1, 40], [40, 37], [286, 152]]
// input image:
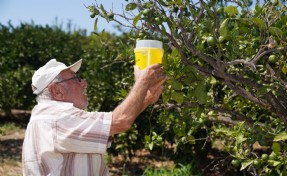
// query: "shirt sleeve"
[[82, 132]]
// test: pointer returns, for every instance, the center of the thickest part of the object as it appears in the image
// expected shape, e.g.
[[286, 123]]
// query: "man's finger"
[[155, 66], [158, 84], [136, 68]]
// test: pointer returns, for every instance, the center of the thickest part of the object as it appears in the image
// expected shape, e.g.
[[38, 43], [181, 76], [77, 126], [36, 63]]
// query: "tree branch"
[[261, 54], [235, 116]]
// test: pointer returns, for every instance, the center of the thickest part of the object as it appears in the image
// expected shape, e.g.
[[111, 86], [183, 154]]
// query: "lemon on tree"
[[273, 156], [284, 69], [210, 41], [146, 12], [264, 157], [272, 58], [257, 163], [235, 163], [158, 20]]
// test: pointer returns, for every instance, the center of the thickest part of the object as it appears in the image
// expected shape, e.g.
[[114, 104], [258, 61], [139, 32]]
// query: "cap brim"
[[76, 66]]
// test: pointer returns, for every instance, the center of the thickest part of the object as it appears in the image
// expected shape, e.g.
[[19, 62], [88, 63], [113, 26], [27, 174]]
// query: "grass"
[[8, 128], [10, 162], [181, 170]]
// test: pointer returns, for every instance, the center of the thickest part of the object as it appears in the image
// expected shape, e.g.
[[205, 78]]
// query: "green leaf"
[[240, 138], [276, 148], [231, 10], [173, 59], [147, 138], [263, 90], [207, 8], [120, 146], [103, 9], [199, 112], [224, 131], [96, 25], [175, 53], [223, 30], [95, 33], [259, 22], [163, 30], [131, 6], [137, 18], [176, 85], [281, 22], [244, 21], [275, 31], [177, 96], [191, 139], [257, 8], [273, 163], [246, 164], [281, 137], [162, 2], [150, 145], [191, 71], [200, 92], [165, 97]]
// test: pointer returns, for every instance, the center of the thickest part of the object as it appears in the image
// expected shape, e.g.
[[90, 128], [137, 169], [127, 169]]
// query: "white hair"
[[45, 94]]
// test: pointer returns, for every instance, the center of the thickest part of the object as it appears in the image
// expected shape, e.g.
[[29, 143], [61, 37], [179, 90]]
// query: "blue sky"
[[44, 12]]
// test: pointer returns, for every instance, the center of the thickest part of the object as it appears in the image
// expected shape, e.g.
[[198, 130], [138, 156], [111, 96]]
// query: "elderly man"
[[64, 139]]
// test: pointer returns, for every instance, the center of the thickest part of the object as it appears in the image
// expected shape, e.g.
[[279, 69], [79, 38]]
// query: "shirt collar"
[[55, 102]]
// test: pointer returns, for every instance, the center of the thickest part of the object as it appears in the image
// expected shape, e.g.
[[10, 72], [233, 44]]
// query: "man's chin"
[[82, 106], [85, 107]]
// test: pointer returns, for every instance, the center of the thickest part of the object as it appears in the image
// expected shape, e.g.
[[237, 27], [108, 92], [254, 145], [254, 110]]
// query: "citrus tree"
[[226, 63]]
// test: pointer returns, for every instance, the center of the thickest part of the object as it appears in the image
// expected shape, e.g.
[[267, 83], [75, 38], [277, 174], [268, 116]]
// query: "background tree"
[[27, 47], [24, 49], [226, 63]]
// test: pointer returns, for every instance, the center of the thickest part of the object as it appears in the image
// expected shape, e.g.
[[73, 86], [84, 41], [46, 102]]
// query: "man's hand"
[[149, 76], [155, 89], [154, 93]]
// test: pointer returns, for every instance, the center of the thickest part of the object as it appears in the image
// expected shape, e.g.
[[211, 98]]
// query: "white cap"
[[45, 75]]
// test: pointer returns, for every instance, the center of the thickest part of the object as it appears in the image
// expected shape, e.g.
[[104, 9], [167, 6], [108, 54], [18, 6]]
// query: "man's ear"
[[56, 92]]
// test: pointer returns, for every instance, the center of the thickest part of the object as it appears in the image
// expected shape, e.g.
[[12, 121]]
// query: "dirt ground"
[[10, 154]]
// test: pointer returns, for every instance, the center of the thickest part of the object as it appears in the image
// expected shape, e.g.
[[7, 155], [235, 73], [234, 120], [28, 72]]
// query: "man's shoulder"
[[52, 109]]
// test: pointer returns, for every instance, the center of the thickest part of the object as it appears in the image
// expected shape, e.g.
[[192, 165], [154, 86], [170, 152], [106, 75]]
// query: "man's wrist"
[[141, 85]]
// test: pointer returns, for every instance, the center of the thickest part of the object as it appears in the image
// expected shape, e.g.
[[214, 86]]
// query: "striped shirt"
[[62, 140]]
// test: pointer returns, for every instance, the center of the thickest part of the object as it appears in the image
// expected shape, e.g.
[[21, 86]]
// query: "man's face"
[[74, 90]]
